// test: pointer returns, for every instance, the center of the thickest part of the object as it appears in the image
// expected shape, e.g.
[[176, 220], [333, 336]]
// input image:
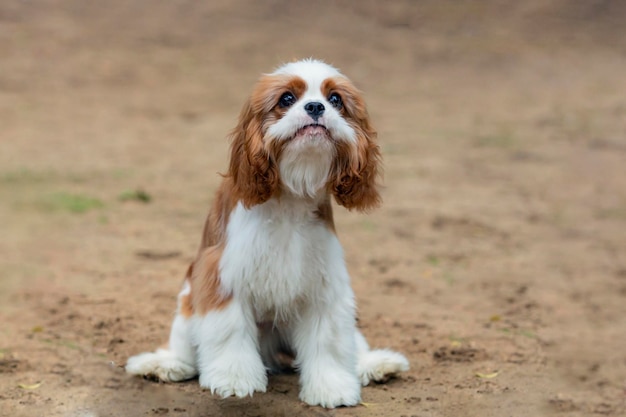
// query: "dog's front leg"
[[228, 356], [326, 353]]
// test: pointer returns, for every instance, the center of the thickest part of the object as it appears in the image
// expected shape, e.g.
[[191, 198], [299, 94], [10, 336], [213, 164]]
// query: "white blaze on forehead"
[[312, 71]]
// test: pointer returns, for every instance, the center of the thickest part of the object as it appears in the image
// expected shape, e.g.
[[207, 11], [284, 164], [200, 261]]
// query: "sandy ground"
[[497, 264]]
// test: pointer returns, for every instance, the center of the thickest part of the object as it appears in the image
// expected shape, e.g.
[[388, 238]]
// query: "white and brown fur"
[[270, 279]]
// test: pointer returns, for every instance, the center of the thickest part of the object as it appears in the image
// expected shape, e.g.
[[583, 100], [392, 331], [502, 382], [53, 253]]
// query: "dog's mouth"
[[314, 129]]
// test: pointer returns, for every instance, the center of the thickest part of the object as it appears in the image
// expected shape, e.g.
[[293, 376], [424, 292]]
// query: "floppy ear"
[[254, 173], [357, 169]]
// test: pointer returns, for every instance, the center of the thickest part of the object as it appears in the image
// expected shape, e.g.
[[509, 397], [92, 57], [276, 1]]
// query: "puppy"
[[270, 281]]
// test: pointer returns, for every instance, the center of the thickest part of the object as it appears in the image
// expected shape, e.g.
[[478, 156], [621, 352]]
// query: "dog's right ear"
[[254, 173]]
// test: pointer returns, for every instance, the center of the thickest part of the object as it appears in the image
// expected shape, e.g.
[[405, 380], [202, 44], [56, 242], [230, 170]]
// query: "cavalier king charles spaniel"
[[269, 287]]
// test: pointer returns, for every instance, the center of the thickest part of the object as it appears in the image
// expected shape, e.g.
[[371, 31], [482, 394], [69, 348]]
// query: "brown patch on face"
[[268, 91], [266, 100], [324, 213], [355, 171], [354, 108], [206, 292]]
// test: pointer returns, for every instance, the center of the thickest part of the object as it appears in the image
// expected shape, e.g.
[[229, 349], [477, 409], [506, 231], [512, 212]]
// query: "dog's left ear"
[[254, 173], [357, 169]]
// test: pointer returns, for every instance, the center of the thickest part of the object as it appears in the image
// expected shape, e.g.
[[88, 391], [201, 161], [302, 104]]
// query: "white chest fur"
[[279, 254]]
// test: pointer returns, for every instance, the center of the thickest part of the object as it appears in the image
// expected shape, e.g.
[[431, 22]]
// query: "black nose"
[[314, 109]]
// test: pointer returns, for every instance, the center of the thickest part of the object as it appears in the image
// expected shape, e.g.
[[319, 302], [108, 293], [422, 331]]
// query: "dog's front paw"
[[236, 380], [228, 385], [331, 389]]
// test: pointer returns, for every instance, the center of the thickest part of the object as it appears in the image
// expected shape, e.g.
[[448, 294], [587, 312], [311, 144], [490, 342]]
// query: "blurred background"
[[497, 263]]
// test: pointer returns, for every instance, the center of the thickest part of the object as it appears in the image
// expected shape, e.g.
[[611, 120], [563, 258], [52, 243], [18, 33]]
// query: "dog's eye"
[[335, 100], [286, 100]]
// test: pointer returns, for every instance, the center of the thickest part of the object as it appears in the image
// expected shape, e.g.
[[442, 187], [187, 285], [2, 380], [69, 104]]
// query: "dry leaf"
[[29, 386], [487, 376], [367, 405]]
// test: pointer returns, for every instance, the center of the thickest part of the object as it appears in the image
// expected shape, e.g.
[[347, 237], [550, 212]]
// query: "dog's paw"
[[161, 364], [237, 380], [230, 386], [379, 365], [331, 389]]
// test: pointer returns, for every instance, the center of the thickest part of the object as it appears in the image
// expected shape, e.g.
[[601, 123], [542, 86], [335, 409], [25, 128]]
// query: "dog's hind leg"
[[175, 363], [379, 364]]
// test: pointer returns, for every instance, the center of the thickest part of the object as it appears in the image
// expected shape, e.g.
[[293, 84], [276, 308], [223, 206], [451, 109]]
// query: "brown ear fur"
[[357, 169], [254, 173]]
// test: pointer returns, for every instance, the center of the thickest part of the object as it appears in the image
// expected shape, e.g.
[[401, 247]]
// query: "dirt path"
[[497, 264]]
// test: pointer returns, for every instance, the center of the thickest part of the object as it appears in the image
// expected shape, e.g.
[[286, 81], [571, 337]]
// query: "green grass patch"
[[616, 213], [73, 203], [433, 260], [22, 176], [497, 140], [135, 195], [449, 278], [62, 342], [519, 332], [528, 333], [457, 340]]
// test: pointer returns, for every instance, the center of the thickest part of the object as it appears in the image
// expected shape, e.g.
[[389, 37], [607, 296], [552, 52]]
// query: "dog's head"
[[305, 130]]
